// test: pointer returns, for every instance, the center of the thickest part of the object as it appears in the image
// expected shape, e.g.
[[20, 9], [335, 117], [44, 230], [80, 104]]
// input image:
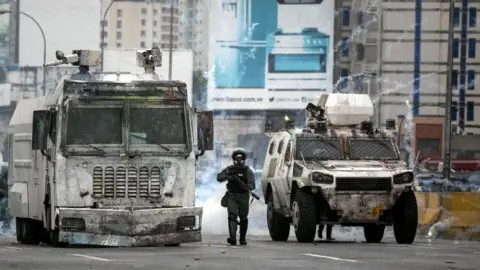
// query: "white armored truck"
[[107, 159], [339, 170]]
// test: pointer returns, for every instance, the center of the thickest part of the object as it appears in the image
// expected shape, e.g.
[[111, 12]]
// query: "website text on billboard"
[[270, 48], [238, 99]]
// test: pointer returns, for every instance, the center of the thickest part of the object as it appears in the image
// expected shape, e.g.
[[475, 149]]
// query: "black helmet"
[[239, 151]]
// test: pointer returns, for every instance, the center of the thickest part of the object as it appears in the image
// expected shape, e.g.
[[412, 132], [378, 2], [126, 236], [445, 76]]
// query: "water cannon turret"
[[149, 59], [317, 120], [84, 59]]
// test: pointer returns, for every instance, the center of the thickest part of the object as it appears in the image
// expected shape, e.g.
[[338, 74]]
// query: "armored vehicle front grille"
[[363, 184], [131, 182]]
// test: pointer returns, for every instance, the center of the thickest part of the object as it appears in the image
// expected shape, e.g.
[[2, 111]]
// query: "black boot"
[[232, 229], [243, 231]]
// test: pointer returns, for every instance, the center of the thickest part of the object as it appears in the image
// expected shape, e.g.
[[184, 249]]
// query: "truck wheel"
[[304, 216], [18, 229], [405, 218], [29, 232], [278, 225], [373, 233], [54, 239]]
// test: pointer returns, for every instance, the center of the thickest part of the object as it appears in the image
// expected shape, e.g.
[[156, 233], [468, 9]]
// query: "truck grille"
[[128, 182], [363, 184]]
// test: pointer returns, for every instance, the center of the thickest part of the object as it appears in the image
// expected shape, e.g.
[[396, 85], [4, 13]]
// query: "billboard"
[[125, 60], [270, 54]]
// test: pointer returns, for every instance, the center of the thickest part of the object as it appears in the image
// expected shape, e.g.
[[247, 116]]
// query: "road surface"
[[260, 254]]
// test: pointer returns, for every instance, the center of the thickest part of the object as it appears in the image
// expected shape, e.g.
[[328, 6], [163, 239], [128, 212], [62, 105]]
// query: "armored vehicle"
[[107, 159], [339, 170]]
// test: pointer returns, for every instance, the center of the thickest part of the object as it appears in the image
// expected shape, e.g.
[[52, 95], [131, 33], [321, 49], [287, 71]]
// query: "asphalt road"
[[260, 254]]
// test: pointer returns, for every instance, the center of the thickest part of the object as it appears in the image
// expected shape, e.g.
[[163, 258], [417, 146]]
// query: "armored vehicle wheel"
[[173, 245], [373, 233], [54, 239], [278, 225], [304, 216], [18, 229], [405, 218], [29, 234]]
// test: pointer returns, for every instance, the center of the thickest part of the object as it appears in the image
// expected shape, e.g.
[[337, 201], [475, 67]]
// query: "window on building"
[[154, 33], [473, 17], [454, 79], [119, 13], [142, 33], [143, 22], [155, 23], [428, 145], [142, 44], [455, 46], [470, 111], [104, 45], [119, 35], [119, 24], [456, 17], [346, 16], [472, 47], [345, 45], [155, 11], [144, 11], [119, 45], [104, 23], [471, 79], [454, 111]]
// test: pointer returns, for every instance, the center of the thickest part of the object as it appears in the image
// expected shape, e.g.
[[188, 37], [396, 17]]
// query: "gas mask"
[[239, 160]]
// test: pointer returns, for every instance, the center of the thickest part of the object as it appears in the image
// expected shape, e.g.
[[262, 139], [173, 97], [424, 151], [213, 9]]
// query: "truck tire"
[[278, 225], [29, 232], [18, 229], [405, 218], [304, 216], [54, 239], [373, 233]]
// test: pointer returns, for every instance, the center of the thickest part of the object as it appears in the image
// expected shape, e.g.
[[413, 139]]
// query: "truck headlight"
[[321, 178], [404, 178]]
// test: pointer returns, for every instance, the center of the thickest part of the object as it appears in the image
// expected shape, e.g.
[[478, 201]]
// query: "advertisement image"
[[270, 54]]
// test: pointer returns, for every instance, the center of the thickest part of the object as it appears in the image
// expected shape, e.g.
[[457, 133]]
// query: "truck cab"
[[107, 159]]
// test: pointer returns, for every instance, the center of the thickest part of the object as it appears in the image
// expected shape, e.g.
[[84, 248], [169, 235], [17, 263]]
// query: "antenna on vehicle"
[[84, 59]]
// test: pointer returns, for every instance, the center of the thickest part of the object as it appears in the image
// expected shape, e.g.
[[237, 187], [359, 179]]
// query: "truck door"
[[285, 166]]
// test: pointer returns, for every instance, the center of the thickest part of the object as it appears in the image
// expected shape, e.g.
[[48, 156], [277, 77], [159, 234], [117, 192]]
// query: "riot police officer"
[[329, 232], [237, 196]]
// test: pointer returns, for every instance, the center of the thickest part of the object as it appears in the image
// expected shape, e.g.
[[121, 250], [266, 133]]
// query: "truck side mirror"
[[40, 129], [205, 130]]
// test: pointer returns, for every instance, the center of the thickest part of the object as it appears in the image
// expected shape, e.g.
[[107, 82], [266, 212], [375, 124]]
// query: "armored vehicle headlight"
[[403, 178], [321, 178]]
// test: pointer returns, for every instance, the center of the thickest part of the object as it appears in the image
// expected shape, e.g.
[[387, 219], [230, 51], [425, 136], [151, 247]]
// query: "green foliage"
[[199, 89]]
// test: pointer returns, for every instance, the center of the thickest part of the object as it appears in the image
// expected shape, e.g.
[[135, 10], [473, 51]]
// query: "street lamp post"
[[170, 50], [44, 45], [447, 137], [102, 45]]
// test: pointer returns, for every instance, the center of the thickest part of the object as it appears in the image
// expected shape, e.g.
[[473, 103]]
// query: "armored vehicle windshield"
[[311, 148], [372, 149]]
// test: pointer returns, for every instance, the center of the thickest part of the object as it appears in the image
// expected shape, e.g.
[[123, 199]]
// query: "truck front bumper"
[[114, 227]]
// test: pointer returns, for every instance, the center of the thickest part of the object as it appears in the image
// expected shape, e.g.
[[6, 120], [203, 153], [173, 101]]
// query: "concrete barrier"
[[429, 205], [450, 215]]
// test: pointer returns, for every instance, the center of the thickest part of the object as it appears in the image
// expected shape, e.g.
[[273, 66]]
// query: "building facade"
[[397, 51], [146, 23]]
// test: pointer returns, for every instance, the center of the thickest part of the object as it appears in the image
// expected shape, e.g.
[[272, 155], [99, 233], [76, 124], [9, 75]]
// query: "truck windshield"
[[310, 149], [161, 126], [373, 149], [87, 125]]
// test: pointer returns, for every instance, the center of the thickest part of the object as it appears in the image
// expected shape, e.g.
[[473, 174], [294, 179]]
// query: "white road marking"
[[91, 257], [16, 248], [411, 246], [330, 258]]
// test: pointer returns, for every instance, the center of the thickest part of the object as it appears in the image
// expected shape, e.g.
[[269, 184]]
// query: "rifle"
[[244, 186]]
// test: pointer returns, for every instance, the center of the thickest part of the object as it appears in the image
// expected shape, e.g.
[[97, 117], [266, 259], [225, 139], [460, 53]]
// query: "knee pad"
[[232, 217]]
